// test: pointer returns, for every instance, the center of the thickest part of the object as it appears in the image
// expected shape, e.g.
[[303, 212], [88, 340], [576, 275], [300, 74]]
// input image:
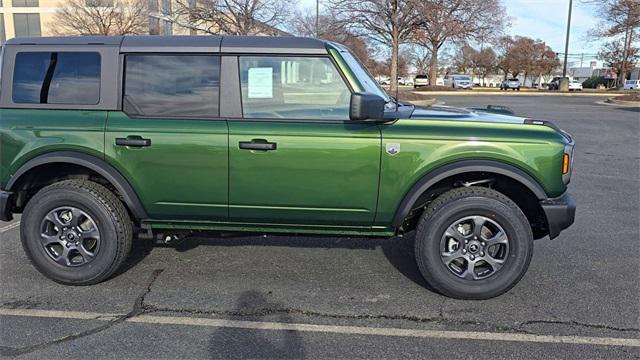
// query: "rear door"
[[295, 158], [169, 141]]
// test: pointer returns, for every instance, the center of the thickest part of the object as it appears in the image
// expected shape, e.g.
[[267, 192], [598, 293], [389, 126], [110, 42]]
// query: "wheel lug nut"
[[482, 253], [472, 257], [464, 251], [483, 243], [466, 241]]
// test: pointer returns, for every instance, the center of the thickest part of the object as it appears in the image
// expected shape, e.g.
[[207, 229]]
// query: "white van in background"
[[632, 84]]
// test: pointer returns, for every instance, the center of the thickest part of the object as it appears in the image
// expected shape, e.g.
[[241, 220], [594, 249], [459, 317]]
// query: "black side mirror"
[[366, 106]]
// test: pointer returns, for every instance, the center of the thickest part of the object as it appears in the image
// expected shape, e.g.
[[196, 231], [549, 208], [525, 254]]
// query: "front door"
[[169, 141], [294, 158]]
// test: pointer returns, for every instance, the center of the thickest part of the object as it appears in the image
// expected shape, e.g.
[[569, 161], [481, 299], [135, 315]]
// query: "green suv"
[[103, 139]]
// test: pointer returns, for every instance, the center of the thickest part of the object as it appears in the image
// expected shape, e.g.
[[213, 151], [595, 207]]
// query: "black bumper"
[[5, 211], [560, 212]]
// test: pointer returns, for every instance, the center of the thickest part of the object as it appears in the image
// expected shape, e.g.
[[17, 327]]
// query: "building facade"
[[25, 17], [28, 18]]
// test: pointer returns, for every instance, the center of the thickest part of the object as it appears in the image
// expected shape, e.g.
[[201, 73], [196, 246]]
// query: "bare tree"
[[508, 60], [332, 30], [545, 61], [233, 17], [389, 23], [620, 19], [442, 21], [101, 17], [524, 55], [465, 58], [620, 60], [486, 61], [420, 58]]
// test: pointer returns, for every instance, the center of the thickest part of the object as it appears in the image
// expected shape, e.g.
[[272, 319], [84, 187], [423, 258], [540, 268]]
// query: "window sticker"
[[260, 84]]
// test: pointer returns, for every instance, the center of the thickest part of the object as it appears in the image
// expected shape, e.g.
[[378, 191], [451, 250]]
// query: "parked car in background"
[[405, 82], [513, 84], [554, 84], [420, 80], [458, 81], [575, 85], [632, 84]]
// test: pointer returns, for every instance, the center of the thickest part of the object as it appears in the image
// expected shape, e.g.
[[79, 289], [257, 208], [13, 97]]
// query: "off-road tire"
[[472, 201], [110, 217]]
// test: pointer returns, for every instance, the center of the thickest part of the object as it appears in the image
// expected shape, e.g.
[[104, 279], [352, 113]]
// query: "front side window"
[[172, 85], [293, 88], [67, 78]]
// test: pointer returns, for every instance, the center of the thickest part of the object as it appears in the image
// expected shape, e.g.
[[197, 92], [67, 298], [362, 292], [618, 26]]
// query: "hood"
[[460, 114]]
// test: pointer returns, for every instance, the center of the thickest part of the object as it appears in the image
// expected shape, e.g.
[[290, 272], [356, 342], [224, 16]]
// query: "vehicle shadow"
[[399, 251], [229, 343], [632, 109]]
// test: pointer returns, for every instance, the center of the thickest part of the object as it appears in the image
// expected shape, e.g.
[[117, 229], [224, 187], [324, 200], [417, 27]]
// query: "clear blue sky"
[[545, 20]]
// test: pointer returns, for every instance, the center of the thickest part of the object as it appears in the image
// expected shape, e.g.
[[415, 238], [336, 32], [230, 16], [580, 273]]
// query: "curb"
[[622, 102], [426, 102]]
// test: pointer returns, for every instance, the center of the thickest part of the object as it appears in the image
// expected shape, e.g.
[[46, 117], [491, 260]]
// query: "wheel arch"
[[90, 162], [459, 168]]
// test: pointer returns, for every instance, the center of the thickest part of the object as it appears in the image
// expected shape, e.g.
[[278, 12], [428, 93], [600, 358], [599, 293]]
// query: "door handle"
[[261, 145], [133, 141]]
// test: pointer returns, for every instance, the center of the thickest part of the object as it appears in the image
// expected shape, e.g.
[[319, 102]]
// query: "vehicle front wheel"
[[473, 243], [76, 232]]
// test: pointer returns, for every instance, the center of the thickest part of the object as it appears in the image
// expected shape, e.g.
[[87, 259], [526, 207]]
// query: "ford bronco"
[[103, 139]]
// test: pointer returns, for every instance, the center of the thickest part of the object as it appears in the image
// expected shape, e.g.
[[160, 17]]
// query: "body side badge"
[[393, 148]]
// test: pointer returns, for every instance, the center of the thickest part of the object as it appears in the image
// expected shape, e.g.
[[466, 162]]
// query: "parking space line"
[[331, 329], [58, 314], [9, 227]]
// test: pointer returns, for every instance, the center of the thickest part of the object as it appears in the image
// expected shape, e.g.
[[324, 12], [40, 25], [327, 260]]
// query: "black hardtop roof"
[[212, 43]]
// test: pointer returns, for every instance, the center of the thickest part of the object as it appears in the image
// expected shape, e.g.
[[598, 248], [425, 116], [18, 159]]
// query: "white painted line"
[[331, 329], [10, 226], [57, 314]]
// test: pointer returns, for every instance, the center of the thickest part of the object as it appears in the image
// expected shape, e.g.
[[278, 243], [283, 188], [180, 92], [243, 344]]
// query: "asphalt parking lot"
[[274, 297]]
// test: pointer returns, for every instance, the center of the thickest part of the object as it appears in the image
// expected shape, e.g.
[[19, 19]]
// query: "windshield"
[[368, 82], [463, 78]]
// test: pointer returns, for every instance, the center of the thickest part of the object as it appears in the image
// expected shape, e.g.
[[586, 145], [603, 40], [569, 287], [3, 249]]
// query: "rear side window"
[[67, 78], [172, 85], [293, 88]]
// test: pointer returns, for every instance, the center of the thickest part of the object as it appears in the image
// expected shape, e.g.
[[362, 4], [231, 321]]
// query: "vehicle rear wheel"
[[76, 232], [473, 243]]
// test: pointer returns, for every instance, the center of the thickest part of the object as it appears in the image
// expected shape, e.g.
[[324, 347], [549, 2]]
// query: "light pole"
[[317, 18], [566, 45]]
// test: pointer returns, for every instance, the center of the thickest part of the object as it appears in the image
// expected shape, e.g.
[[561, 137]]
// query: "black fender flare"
[[93, 163], [461, 167]]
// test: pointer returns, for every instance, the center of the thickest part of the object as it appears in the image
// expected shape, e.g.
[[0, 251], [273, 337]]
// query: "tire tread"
[[116, 211], [447, 198]]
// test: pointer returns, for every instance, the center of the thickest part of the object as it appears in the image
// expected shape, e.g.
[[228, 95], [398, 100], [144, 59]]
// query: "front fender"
[[462, 167]]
